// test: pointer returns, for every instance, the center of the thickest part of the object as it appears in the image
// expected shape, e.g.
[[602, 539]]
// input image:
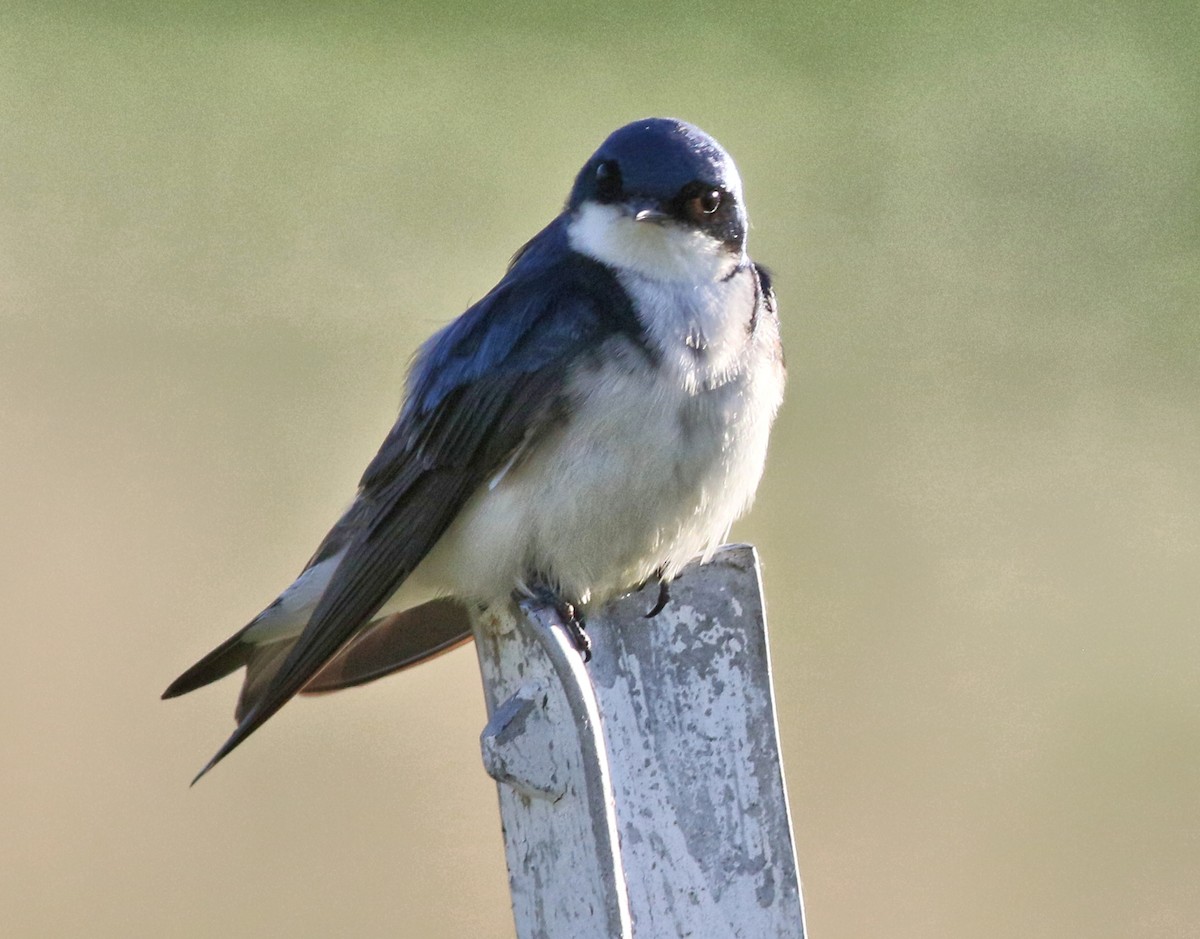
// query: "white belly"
[[650, 469], [646, 473]]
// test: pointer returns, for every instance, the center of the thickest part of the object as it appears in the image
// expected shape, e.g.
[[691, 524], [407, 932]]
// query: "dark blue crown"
[[656, 158]]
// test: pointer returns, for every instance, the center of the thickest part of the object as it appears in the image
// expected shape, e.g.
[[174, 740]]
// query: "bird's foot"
[[572, 622], [570, 618]]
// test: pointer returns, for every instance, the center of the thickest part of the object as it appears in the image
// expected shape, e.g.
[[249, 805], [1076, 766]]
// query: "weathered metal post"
[[642, 793]]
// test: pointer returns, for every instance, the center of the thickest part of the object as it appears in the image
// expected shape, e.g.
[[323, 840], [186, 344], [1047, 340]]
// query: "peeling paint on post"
[[642, 794]]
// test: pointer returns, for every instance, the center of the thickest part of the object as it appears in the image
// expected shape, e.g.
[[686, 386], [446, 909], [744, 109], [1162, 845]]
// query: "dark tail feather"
[[261, 663], [449, 627], [228, 657], [261, 666], [396, 642]]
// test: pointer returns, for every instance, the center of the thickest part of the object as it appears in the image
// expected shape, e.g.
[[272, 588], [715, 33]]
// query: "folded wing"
[[481, 390]]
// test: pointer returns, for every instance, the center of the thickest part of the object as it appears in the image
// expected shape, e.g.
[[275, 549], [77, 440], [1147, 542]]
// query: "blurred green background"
[[225, 228]]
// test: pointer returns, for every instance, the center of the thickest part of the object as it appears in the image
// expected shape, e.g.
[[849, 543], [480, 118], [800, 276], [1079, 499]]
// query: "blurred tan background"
[[222, 234]]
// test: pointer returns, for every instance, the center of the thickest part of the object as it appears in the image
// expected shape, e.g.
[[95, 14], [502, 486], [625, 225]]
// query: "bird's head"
[[660, 198]]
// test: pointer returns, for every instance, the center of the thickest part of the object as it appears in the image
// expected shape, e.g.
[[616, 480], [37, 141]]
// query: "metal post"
[[642, 793]]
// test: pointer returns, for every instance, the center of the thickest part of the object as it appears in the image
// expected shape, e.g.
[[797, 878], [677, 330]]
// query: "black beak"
[[645, 210]]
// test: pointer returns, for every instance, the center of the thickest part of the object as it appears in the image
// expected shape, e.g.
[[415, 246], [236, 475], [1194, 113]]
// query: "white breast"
[[653, 465]]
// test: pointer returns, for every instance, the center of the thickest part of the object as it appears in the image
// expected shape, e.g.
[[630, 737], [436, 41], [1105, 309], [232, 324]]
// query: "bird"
[[596, 421]]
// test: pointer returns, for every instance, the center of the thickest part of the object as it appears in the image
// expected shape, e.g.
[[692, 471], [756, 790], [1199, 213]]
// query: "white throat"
[[658, 251]]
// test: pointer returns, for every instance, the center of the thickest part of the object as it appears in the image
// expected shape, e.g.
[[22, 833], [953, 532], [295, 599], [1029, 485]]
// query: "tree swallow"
[[597, 420]]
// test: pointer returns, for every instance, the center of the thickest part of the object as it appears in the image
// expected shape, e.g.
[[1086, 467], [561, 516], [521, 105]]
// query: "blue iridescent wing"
[[484, 386]]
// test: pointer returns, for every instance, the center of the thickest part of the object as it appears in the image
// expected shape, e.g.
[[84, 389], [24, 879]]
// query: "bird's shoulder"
[[551, 303], [766, 290], [491, 377], [766, 308]]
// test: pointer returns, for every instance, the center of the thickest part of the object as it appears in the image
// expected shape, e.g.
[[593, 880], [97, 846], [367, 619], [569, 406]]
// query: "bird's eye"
[[705, 203], [608, 180]]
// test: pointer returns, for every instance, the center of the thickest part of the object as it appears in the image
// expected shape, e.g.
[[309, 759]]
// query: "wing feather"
[[485, 386]]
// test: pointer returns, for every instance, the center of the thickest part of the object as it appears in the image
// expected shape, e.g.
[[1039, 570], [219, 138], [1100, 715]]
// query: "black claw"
[[664, 597], [573, 624], [572, 620]]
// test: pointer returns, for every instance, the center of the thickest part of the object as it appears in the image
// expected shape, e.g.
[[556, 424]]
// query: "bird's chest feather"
[[657, 455], [674, 416]]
